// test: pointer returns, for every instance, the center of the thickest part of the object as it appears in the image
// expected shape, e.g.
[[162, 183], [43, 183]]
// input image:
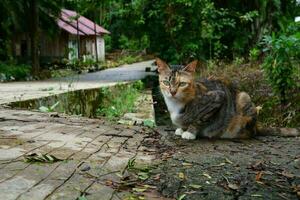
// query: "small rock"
[[85, 168]]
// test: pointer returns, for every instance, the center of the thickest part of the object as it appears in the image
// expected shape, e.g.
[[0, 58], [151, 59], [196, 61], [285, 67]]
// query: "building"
[[73, 28]]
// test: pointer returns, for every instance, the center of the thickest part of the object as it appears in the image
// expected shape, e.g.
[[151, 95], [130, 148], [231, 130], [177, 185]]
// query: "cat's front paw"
[[188, 135], [179, 131]]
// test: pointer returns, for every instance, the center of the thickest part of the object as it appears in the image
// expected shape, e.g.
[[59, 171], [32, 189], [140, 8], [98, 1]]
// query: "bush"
[[280, 63], [10, 72]]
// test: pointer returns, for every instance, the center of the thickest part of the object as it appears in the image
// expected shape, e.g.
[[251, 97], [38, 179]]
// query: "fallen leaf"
[[219, 165], [143, 175], [149, 186], [258, 176], [206, 175], [228, 161], [287, 174], [256, 195], [42, 158], [195, 186], [156, 177], [233, 186], [187, 164], [181, 175], [139, 189], [181, 197], [108, 182]]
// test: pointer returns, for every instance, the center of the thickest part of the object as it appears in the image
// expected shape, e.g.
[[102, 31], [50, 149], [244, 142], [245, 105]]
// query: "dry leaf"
[[228, 161], [219, 165], [287, 174], [206, 175], [187, 164], [195, 186], [256, 195], [139, 189], [181, 175], [258, 176], [156, 177], [233, 186], [108, 182]]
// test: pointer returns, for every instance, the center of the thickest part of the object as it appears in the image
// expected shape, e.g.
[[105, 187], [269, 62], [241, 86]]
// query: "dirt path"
[[260, 168]]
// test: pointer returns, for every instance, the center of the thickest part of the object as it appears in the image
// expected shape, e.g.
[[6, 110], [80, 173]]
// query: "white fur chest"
[[174, 107]]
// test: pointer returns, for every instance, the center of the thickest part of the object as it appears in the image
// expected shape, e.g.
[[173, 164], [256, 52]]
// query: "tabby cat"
[[212, 108]]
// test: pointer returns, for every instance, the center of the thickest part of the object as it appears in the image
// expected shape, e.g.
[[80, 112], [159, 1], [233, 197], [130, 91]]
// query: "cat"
[[212, 108]]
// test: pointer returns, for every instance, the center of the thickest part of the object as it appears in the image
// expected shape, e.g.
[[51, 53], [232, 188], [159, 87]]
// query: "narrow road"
[[17, 91]]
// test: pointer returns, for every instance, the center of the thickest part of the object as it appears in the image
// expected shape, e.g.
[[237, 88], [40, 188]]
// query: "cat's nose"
[[173, 92]]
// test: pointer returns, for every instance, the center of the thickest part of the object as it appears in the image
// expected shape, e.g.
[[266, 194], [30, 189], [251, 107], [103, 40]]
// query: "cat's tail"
[[274, 131]]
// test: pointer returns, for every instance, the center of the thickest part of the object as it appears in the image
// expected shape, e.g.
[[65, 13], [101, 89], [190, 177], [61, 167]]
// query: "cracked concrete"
[[94, 144]]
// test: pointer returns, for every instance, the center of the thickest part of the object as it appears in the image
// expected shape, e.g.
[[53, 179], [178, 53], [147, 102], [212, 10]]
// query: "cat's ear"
[[161, 65], [191, 67]]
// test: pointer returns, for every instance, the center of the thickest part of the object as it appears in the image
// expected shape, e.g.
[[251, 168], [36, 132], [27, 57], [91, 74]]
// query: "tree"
[[31, 16], [34, 36]]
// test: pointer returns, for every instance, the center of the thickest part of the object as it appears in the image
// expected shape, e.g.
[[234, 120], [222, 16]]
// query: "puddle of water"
[[80, 102], [86, 102]]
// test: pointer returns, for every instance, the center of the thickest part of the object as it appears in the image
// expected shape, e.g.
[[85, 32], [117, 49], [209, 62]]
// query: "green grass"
[[119, 100], [14, 72]]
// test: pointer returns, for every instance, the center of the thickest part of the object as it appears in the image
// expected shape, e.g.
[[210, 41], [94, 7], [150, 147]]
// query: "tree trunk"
[[34, 36]]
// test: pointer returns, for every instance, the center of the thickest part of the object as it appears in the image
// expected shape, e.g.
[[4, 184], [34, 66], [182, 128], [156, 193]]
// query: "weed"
[[48, 109], [119, 100], [40, 158]]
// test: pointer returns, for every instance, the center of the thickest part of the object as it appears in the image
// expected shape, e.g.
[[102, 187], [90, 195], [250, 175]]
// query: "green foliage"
[[181, 30], [283, 57], [16, 17], [14, 72], [107, 39], [119, 100], [49, 109], [133, 44], [254, 54]]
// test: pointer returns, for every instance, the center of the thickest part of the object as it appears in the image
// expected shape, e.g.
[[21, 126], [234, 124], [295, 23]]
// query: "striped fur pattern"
[[210, 108]]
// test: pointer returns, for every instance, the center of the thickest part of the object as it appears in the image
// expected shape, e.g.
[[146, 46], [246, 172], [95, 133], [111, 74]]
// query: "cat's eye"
[[183, 84], [165, 82]]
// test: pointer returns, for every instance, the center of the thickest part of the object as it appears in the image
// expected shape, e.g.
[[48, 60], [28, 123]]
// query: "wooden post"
[[78, 37], [95, 30]]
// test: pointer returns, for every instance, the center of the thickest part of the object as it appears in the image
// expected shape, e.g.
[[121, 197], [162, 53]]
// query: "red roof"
[[68, 22]]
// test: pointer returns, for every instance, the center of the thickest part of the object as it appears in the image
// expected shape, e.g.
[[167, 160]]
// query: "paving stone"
[[104, 147], [10, 189]]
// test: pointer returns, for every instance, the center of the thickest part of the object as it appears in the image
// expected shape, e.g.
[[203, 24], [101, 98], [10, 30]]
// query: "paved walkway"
[[94, 154], [17, 91]]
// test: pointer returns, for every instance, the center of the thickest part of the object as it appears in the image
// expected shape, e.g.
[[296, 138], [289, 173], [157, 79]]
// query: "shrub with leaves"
[[11, 72], [283, 53]]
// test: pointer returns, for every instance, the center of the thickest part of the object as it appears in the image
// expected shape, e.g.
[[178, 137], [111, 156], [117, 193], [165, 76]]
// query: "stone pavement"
[[93, 151], [17, 91]]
